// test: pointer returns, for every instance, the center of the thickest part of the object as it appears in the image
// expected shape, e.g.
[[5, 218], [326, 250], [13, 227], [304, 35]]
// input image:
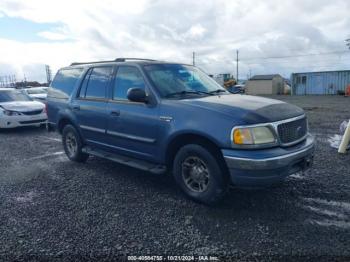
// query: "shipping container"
[[320, 83]]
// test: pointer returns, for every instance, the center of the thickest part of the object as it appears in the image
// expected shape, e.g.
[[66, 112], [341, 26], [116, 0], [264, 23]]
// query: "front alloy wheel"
[[199, 174], [195, 174]]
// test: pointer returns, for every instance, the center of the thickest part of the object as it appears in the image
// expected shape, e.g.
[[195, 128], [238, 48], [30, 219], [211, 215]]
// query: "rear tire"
[[72, 144], [197, 172]]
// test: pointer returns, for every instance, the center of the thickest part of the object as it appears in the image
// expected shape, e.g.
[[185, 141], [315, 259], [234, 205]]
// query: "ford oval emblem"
[[299, 129]]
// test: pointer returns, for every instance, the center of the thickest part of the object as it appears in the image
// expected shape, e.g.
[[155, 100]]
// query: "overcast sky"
[[58, 32]]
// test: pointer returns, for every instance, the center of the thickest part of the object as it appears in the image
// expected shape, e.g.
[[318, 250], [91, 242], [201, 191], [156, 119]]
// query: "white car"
[[37, 93], [18, 109]]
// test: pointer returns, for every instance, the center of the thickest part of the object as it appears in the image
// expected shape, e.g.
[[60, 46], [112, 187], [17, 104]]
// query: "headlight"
[[11, 113], [253, 136]]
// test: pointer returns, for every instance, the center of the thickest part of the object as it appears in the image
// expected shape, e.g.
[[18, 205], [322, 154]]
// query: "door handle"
[[115, 113], [76, 107]]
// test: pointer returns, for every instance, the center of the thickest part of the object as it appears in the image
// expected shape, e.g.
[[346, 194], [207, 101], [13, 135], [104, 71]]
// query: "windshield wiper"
[[217, 91], [185, 92]]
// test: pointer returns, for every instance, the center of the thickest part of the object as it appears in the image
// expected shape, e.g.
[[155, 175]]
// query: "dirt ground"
[[53, 208]]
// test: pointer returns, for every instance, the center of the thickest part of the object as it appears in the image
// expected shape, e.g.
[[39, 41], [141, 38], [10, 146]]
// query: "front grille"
[[31, 113], [32, 121], [293, 131]]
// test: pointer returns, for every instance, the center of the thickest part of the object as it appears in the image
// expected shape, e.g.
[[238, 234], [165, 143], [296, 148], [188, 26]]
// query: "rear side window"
[[127, 77], [65, 81], [95, 84]]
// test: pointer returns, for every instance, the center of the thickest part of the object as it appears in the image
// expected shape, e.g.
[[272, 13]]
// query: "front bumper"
[[268, 166], [22, 120]]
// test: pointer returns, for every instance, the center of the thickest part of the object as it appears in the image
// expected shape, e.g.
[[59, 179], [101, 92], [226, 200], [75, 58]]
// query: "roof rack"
[[109, 61], [93, 62], [123, 59]]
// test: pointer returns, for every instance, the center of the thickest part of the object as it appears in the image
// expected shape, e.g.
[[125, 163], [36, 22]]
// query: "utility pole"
[[237, 67], [25, 80], [48, 74], [193, 58]]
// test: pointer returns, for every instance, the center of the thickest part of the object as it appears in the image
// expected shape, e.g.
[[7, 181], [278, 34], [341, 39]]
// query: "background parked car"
[[37, 93], [236, 89], [18, 109]]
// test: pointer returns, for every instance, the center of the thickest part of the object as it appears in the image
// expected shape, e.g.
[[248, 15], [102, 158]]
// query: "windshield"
[[13, 95], [36, 91], [181, 79]]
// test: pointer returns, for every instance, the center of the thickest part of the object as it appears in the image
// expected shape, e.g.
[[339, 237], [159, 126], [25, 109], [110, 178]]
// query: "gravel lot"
[[53, 208]]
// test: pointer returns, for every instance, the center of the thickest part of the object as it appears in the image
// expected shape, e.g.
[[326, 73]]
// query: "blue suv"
[[173, 118]]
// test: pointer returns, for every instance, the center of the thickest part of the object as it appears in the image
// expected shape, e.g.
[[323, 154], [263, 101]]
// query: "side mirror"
[[137, 95]]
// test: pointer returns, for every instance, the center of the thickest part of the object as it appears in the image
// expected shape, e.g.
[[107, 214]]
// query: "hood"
[[40, 96], [250, 109], [22, 106]]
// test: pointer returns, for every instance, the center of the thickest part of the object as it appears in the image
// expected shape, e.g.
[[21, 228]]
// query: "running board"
[[132, 162]]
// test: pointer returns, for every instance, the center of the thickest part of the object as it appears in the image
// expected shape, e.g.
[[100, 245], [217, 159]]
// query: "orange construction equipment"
[[229, 83], [347, 91]]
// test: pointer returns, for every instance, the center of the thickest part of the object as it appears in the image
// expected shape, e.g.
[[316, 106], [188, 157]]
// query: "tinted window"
[[127, 77], [65, 81], [98, 81], [13, 95], [171, 79], [84, 84]]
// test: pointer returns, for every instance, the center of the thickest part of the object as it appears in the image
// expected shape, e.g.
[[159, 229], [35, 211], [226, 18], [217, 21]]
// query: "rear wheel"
[[72, 144], [199, 175]]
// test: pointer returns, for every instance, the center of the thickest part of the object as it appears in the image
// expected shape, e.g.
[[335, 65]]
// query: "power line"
[[294, 56], [227, 61], [299, 62]]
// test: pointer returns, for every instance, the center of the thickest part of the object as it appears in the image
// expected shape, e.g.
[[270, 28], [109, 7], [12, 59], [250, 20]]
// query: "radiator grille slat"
[[293, 131], [31, 113]]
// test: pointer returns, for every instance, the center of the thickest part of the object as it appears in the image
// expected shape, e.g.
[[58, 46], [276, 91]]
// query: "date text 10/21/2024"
[[173, 258]]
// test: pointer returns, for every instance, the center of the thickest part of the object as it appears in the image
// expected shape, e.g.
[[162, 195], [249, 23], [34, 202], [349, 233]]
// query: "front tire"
[[72, 144], [197, 172]]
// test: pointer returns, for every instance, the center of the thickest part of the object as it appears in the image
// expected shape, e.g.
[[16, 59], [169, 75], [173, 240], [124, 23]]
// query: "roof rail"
[[93, 62], [123, 59], [109, 61]]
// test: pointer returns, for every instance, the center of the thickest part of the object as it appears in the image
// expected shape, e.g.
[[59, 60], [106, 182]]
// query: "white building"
[[265, 85]]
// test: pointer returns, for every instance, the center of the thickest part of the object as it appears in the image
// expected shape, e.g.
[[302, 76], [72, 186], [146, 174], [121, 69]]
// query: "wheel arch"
[[183, 139], [66, 120]]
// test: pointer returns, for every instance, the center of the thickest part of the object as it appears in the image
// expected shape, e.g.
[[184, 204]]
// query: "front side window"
[[98, 82], [127, 77], [181, 79]]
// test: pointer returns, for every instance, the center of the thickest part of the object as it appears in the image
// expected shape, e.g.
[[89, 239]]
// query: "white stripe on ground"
[[328, 223], [333, 213], [331, 203], [326, 212], [298, 175], [51, 138], [44, 156]]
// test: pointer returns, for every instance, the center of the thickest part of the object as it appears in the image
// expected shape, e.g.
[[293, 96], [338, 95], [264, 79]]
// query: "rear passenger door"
[[90, 105], [132, 127]]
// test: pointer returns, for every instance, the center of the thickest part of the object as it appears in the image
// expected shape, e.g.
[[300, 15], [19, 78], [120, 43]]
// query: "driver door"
[[132, 127]]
